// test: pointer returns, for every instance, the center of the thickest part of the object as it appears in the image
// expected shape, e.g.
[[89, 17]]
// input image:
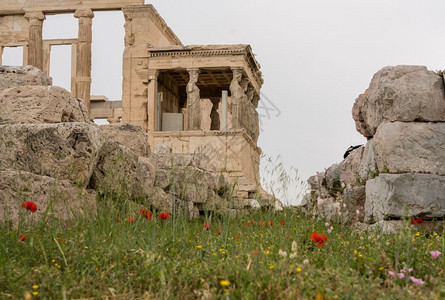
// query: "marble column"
[[194, 114], [83, 61], [35, 43]]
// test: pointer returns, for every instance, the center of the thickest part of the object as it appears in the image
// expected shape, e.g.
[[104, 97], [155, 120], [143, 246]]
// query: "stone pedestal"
[[83, 61], [35, 45]]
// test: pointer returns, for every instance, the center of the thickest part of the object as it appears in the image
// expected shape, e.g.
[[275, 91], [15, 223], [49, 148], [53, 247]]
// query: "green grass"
[[179, 259]]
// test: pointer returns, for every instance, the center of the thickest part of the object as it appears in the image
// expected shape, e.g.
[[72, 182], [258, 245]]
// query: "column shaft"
[[35, 43], [83, 61]]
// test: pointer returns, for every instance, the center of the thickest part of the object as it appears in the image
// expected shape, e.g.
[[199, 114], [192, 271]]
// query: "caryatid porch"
[[204, 99]]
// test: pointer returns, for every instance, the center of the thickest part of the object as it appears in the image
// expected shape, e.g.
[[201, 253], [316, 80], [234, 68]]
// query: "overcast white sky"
[[317, 56]]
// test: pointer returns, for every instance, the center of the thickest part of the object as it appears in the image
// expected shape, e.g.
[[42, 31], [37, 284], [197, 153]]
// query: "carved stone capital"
[[84, 13], [35, 15]]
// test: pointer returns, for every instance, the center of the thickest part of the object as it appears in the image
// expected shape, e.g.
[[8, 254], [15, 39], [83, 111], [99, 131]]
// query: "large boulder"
[[60, 199], [40, 104], [401, 93], [128, 135], [410, 147], [122, 173], [11, 77], [394, 196], [63, 151]]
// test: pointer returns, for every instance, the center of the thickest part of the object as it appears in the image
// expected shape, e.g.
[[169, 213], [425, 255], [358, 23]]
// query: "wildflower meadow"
[[128, 252]]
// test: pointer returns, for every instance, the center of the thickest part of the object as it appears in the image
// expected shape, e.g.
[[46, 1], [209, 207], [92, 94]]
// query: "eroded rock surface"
[[66, 151], [12, 76], [40, 104]]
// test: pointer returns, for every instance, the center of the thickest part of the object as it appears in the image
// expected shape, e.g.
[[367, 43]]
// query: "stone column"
[[194, 114], [152, 101], [83, 61], [35, 43]]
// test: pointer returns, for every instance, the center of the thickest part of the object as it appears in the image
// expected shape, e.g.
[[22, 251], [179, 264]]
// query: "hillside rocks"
[[40, 104], [11, 77], [400, 172]]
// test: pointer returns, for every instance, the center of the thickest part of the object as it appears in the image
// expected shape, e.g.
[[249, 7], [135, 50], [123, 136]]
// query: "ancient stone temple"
[[190, 99]]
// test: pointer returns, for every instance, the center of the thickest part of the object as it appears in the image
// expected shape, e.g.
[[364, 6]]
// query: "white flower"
[[327, 224], [330, 229], [293, 255], [294, 246], [282, 253], [306, 261]]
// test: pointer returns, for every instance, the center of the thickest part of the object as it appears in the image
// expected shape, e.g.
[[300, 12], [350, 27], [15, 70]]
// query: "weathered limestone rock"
[[401, 93], [410, 147], [62, 151], [40, 104], [358, 113], [130, 136], [394, 196], [58, 198], [121, 173], [11, 77]]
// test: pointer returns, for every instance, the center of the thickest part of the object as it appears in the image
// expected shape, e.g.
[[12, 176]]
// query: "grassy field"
[[264, 255]]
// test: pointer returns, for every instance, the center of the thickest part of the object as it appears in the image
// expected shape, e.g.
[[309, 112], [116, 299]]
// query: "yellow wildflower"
[[199, 247], [35, 287], [299, 270], [224, 282]]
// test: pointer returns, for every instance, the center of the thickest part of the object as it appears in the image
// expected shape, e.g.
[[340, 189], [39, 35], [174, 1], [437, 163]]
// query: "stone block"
[[394, 196]]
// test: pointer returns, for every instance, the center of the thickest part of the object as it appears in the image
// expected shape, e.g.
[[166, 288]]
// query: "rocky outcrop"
[[400, 172], [66, 151], [11, 77], [130, 136], [401, 93], [40, 104]]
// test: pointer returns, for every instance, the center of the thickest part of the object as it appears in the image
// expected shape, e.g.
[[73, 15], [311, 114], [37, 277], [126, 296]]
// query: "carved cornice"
[[187, 51]]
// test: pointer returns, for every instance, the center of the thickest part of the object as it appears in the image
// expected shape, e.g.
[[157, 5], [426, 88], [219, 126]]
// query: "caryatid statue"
[[194, 115]]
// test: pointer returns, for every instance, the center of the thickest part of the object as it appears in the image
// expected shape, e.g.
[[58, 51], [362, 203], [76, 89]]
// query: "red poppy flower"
[[318, 238], [218, 232], [270, 223], [22, 237], [261, 223], [146, 213], [282, 222], [130, 220], [237, 237], [59, 240], [254, 252], [30, 206], [164, 215], [249, 223], [416, 221], [244, 225], [288, 237], [118, 220], [207, 226]]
